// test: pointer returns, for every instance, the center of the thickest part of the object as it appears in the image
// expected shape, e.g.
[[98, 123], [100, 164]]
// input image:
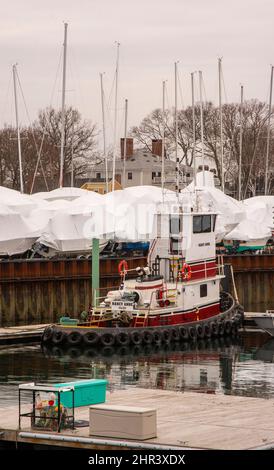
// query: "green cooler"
[[86, 392]]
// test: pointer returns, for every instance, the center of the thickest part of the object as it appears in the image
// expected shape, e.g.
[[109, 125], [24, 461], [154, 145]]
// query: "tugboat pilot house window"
[[202, 224], [175, 229]]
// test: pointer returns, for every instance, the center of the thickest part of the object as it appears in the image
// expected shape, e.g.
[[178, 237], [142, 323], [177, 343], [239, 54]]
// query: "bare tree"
[[80, 148], [43, 138], [254, 123], [152, 127]]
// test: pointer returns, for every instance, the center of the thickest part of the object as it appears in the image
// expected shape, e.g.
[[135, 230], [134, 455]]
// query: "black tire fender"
[[214, 328], [122, 338], [74, 338], [200, 331], [192, 333], [166, 335], [47, 335], [183, 333], [58, 337], [136, 337], [175, 334], [157, 337], [207, 330], [147, 337], [91, 338], [107, 339]]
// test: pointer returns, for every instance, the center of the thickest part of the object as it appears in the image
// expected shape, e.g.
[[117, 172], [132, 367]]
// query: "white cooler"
[[122, 421]]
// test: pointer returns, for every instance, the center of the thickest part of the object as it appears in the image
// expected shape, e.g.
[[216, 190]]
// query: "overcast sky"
[[153, 35]]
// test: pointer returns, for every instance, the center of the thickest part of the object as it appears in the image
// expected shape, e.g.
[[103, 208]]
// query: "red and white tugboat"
[[177, 296]]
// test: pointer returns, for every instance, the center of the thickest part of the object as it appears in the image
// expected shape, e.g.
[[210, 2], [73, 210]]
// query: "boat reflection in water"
[[239, 366], [204, 366], [266, 352]]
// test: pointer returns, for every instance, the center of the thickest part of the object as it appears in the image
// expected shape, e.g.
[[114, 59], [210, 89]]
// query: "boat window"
[[214, 217], [174, 225], [206, 223], [197, 224], [175, 246], [201, 223], [203, 290]]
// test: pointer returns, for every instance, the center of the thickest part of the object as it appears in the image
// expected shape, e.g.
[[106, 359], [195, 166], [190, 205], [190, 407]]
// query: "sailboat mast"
[[202, 123], [176, 129], [193, 130], [268, 133], [115, 118], [104, 129], [163, 138], [14, 72], [63, 107], [221, 121], [241, 144], [125, 145], [72, 158]]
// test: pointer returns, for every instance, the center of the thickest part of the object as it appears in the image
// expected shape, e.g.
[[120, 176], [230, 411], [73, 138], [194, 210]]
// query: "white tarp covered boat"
[[67, 193], [253, 232], [16, 236]]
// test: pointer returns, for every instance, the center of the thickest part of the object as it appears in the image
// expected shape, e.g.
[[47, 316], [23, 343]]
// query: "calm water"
[[243, 366]]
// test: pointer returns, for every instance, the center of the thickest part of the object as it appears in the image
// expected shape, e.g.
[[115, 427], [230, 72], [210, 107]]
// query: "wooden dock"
[[184, 420], [21, 334]]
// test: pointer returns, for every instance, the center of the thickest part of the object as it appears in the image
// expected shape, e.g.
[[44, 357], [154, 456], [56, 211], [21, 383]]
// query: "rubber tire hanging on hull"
[[91, 338], [214, 328], [200, 331], [157, 337], [192, 333], [184, 335], [147, 337], [175, 334], [136, 338], [207, 331], [58, 337], [107, 339], [166, 335], [74, 338], [122, 338]]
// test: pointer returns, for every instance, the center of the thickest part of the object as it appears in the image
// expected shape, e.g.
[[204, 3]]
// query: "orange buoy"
[[186, 272], [123, 267]]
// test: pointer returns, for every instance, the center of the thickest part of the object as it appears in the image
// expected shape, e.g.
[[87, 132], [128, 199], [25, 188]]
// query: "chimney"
[[129, 147], [157, 147]]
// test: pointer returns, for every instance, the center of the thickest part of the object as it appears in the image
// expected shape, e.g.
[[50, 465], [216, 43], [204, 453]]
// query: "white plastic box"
[[123, 422]]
